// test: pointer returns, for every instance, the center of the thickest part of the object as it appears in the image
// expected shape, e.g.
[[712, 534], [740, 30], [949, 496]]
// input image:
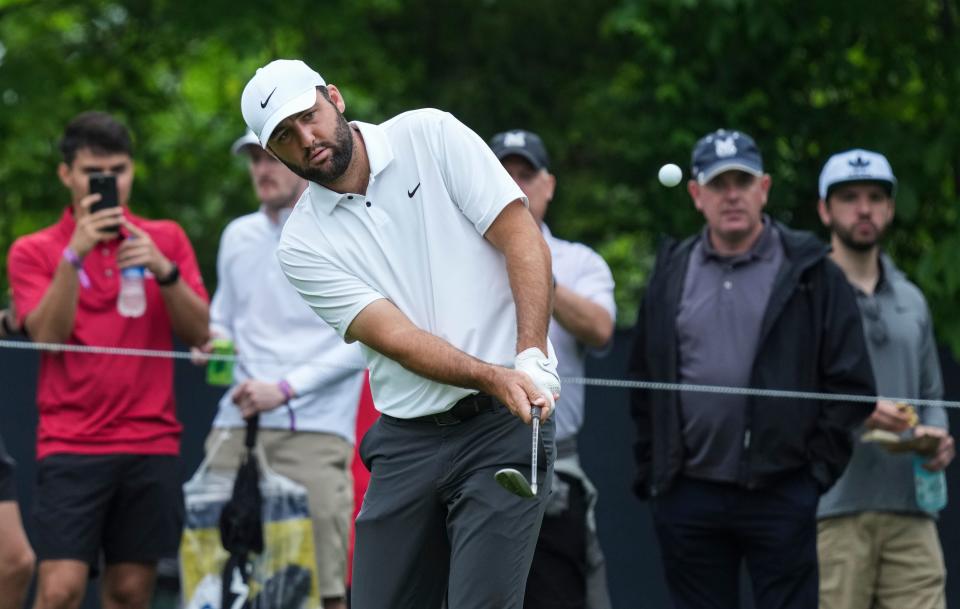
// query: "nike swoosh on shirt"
[[410, 193], [264, 103]]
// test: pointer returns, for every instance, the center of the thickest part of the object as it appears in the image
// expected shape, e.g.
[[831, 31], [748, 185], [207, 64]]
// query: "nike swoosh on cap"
[[264, 103], [410, 193]]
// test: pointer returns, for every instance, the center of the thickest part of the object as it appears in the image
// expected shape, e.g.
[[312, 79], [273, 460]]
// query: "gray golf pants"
[[436, 530]]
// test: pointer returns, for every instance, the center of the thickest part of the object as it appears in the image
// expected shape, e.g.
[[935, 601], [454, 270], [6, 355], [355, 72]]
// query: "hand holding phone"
[[105, 184]]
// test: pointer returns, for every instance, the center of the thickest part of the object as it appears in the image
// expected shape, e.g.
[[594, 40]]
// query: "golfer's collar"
[[379, 151], [379, 155]]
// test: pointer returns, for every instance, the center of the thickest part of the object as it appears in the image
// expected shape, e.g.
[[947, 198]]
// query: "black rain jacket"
[[811, 339]]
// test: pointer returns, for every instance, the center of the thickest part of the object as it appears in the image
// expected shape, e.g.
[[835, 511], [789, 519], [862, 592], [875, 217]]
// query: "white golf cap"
[[247, 139], [856, 165], [278, 89]]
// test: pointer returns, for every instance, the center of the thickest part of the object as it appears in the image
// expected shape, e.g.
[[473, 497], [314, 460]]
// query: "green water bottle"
[[220, 372]]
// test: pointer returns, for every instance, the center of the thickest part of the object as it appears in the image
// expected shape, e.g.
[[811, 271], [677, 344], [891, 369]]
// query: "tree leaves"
[[615, 88]]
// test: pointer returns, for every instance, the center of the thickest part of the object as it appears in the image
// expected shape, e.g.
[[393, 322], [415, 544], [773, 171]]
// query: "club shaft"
[[535, 413]]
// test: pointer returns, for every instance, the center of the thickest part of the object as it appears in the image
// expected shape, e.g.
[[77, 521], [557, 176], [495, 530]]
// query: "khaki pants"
[[876, 560], [321, 463]]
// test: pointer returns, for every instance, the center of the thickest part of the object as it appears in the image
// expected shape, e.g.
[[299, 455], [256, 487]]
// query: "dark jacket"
[[811, 339]]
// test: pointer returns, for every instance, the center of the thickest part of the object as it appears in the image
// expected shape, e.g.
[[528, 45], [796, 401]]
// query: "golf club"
[[514, 481]]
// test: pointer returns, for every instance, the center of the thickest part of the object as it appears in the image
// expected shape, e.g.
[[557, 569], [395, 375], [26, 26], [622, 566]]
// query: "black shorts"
[[8, 484], [130, 507]]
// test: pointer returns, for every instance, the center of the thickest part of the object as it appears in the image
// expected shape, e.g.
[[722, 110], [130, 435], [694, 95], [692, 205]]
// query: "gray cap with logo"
[[725, 150], [525, 144]]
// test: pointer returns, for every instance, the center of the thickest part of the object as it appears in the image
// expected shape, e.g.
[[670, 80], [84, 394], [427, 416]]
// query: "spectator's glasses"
[[876, 326]]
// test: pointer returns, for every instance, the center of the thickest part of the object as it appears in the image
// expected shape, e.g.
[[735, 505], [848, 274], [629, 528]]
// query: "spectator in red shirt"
[[108, 479]]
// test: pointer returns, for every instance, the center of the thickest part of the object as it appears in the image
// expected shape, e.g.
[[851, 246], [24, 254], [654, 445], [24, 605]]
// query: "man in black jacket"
[[748, 302]]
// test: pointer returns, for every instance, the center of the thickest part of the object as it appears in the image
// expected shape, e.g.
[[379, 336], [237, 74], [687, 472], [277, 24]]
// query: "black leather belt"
[[464, 410]]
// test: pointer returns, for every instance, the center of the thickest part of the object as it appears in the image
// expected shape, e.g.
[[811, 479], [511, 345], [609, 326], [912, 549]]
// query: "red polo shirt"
[[104, 404]]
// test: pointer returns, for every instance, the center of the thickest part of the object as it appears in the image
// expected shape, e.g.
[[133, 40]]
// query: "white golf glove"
[[542, 370]]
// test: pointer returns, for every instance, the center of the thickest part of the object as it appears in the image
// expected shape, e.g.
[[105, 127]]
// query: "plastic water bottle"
[[132, 300], [931, 487]]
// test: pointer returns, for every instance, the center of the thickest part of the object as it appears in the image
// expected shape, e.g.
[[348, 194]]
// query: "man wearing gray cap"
[[877, 539], [748, 302], [296, 373], [568, 571], [413, 240]]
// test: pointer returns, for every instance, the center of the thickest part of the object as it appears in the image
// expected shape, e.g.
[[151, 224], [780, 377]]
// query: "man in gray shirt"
[[724, 297], [877, 547], [747, 302]]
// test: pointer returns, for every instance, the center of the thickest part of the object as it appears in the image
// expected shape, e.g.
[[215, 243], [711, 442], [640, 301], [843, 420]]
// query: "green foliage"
[[806, 79], [615, 87]]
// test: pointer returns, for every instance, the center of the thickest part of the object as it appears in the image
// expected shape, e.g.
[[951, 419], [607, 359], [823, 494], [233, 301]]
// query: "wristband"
[[171, 277], [287, 392], [285, 389], [71, 256]]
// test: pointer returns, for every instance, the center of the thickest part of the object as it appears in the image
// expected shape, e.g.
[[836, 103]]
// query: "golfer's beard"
[[340, 154], [846, 237]]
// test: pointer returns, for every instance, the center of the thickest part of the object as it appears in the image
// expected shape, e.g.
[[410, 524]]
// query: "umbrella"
[[241, 525]]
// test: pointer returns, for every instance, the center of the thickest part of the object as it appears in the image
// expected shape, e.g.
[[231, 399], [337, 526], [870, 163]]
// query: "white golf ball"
[[670, 175]]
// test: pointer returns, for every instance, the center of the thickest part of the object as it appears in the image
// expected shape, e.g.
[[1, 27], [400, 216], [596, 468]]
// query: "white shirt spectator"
[[584, 271], [416, 238], [257, 308]]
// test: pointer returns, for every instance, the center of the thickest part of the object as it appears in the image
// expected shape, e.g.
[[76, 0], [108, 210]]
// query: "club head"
[[513, 481]]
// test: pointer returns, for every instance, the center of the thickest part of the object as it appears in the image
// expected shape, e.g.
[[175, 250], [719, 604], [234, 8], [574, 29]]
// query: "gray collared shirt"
[[899, 333], [718, 330]]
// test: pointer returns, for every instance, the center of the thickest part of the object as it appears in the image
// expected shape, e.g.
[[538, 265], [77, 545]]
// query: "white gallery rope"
[[764, 393], [594, 382]]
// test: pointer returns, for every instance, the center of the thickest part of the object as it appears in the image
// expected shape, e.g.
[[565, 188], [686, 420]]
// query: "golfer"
[[412, 239]]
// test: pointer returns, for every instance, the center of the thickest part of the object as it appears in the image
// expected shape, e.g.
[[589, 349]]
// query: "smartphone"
[[105, 184]]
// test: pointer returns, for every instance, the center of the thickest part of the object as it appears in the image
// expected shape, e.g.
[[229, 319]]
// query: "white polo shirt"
[[584, 271], [416, 239], [280, 336]]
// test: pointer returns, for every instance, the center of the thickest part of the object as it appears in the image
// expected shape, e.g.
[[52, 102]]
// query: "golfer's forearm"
[[432, 357], [516, 234], [528, 266]]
